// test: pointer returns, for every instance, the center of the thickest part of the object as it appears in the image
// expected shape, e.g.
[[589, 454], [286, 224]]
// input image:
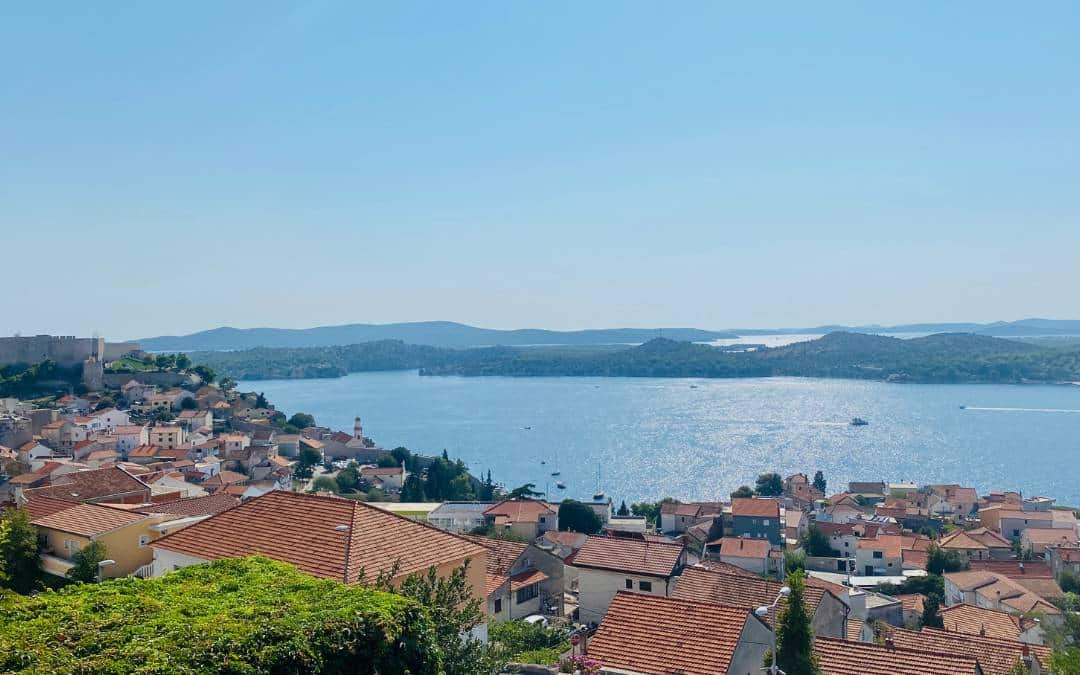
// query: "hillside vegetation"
[[942, 358], [236, 616]]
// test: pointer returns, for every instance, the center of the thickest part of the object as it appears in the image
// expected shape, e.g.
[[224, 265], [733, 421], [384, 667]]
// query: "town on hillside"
[[136, 468]]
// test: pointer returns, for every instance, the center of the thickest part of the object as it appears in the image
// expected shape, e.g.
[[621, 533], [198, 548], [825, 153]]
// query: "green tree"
[[794, 637], [348, 479], [261, 402], [165, 361], [325, 484], [1069, 581], [931, 615], [306, 462], [819, 481], [183, 362], [769, 485], [651, 510], [526, 491], [940, 561], [205, 373], [461, 488], [301, 420], [575, 516], [87, 561], [386, 462], [487, 489], [815, 543], [795, 561], [413, 489], [454, 611], [227, 384], [743, 492], [163, 414], [105, 402], [20, 559], [623, 510]]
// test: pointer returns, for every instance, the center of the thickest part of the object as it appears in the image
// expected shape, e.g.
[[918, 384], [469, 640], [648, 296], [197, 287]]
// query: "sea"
[[698, 439]]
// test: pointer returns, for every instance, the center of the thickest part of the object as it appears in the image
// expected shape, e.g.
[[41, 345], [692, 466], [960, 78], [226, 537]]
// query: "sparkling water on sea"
[[702, 438]]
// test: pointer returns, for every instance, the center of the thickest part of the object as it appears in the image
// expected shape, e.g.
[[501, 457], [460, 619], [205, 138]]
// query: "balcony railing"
[[144, 572]]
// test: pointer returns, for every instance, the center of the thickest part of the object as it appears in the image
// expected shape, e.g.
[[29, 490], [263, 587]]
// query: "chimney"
[[890, 645], [1022, 568]]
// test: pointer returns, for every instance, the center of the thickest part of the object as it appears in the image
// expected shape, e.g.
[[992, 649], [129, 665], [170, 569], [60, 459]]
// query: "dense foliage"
[[817, 544], [87, 561], [574, 516], [23, 380], [520, 642], [20, 561], [651, 510], [769, 485], [238, 616]]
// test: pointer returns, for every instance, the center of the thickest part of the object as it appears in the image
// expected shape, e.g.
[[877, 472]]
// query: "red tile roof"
[[526, 578], [980, 621], [520, 510], [840, 657], [703, 585], [1015, 569], [194, 506], [92, 485], [727, 568], [88, 520], [636, 556], [502, 554], [326, 537], [757, 508], [995, 657], [657, 636], [744, 547]]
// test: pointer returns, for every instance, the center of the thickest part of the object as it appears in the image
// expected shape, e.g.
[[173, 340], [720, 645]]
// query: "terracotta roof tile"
[[526, 578], [744, 547], [194, 506], [656, 636], [854, 629], [980, 621], [840, 657], [88, 520], [702, 585], [520, 510], [91, 485], [326, 537], [629, 555], [996, 657], [502, 555], [1015, 568], [757, 508], [727, 568]]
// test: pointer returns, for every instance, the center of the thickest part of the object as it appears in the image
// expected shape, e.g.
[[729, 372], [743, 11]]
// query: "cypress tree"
[[794, 637]]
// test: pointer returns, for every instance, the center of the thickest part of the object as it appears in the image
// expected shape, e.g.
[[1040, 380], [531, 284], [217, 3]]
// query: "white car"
[[536, 619]]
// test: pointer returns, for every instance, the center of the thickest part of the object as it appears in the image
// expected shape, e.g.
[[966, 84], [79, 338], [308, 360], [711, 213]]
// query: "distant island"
[[939, 358], [458, 335], [433, 333]]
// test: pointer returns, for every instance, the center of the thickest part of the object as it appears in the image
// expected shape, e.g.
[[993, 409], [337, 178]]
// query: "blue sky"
[[173, 167]]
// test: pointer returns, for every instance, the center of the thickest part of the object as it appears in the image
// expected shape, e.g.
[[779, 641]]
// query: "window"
[[543, 519], [528, 593], [645, 586], [878, 555], [498, 605], [144, 539], [630, 584], [765, 522]]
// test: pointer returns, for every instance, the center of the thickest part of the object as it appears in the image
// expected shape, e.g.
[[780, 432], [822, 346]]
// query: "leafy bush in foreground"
[[236, 616]]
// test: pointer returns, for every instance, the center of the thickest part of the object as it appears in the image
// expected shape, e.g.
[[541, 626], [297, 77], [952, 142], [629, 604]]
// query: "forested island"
[[941, 358]]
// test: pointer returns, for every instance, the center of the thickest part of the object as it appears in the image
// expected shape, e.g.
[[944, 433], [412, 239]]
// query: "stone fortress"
[[91, 353]]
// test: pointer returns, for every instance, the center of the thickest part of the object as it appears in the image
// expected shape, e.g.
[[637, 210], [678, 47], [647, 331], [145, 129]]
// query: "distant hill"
[[432, 333], [457, 335], [940, 358]]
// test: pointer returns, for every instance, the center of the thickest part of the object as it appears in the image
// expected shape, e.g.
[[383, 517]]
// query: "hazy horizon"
[[170, 169]]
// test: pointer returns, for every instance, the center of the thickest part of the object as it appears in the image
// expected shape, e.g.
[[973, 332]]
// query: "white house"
[[608, 565]]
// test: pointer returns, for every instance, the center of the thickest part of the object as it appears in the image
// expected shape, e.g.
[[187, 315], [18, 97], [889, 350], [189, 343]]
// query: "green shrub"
[[237, 616]]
